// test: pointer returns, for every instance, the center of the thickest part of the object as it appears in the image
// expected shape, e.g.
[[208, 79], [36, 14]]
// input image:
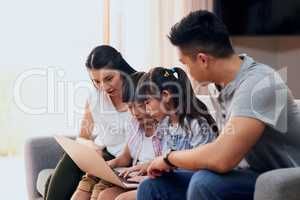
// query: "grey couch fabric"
[[44, 153], [40, 153], [280, 184]]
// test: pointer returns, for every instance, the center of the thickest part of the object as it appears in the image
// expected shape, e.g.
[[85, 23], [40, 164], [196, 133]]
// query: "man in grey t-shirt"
[[259, 92], [260, 117]]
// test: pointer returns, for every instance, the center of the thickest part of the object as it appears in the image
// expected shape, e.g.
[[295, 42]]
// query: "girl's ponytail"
[[191, 105]]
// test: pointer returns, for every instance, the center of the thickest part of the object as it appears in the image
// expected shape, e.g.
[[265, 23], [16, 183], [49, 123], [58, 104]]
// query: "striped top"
[[136, 142], [195, 132]]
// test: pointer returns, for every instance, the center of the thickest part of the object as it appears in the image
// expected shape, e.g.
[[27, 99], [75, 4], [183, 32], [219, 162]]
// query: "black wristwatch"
[[166, 158]]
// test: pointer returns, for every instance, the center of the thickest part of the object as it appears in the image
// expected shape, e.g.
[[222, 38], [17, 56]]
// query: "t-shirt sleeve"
[[262, 97]]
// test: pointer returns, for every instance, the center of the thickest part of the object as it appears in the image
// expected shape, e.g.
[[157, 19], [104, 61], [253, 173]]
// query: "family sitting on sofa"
[[153, 124]]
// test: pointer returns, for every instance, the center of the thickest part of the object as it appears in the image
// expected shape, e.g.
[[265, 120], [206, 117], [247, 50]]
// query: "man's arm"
[[225, 153]]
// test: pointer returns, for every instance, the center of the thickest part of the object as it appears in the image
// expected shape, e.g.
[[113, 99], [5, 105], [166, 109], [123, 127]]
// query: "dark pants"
[[66, 177], [201, 185]]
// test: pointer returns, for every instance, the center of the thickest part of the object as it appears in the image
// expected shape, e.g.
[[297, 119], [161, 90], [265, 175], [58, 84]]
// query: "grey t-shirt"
[[259, 92]]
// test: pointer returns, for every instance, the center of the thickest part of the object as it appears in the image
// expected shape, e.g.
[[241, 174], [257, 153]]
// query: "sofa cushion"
[[42, 179], [278, 185]]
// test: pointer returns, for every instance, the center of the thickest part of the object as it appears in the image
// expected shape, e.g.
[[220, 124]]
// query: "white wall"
[[38, 34], [53, 37]]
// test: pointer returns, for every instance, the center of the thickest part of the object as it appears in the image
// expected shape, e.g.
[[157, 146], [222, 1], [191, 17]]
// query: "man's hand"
[[157, 167]]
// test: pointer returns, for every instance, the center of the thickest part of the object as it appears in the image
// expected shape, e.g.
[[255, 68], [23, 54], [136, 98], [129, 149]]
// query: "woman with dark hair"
[[105, 116]]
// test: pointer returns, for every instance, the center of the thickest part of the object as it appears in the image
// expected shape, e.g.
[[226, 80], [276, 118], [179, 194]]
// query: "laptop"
[[90, 161]]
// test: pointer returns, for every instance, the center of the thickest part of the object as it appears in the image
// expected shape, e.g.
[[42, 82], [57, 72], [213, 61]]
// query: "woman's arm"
[[87, 123], [123, 160]]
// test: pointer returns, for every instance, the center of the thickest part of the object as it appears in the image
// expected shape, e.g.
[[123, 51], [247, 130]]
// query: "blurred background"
[[44, 44], [43, 79]]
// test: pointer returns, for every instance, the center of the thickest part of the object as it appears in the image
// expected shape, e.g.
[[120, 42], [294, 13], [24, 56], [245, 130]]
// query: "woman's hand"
[[112, 163]]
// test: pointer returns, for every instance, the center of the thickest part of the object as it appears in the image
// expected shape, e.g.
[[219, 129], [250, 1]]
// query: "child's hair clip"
[[166, 74], [174, 72]]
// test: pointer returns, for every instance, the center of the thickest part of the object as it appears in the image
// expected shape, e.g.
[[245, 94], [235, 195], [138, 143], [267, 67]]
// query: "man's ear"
[[203, 59], [166, 96]]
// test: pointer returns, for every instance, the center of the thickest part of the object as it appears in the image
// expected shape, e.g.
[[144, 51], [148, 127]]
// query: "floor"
[[12, 181]]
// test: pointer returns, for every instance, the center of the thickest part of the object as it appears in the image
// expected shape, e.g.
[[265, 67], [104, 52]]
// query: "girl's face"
[[156, 108], [138, 111], [107, 80]]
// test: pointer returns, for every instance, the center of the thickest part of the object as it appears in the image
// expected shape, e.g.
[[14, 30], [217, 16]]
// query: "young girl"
[[142, 146], [183, 120]]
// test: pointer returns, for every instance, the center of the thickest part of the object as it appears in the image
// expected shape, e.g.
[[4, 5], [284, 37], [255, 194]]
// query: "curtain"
[[139, 29]]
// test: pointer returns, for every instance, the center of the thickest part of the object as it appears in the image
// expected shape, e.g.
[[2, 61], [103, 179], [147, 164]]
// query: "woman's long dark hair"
[[107, 57], [178, 84], [129, 89]]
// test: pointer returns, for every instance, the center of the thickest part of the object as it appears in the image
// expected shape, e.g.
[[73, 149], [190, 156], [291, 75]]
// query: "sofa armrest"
[[278, 184], [40, 153]]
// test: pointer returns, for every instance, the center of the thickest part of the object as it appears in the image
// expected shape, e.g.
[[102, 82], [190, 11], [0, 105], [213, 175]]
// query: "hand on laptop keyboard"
[[137, 170], [125, 179], [137, 179]]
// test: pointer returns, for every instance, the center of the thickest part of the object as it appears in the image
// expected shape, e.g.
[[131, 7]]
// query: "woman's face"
[[107, 80]]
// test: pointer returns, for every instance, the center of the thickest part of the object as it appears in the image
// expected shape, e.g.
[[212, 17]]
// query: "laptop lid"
[[90, 161]]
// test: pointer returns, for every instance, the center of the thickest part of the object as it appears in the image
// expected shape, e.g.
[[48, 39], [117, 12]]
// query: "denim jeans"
[[201, 185]]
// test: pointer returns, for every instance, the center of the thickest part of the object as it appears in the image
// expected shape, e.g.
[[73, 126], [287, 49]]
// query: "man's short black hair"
[[202, 31]]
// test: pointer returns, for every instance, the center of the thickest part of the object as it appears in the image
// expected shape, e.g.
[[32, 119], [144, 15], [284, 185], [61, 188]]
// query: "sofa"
[[40, 153], [44, 153]]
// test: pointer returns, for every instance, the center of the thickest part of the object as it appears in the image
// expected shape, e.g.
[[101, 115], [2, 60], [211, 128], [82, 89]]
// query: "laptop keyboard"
[[123, 179]]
